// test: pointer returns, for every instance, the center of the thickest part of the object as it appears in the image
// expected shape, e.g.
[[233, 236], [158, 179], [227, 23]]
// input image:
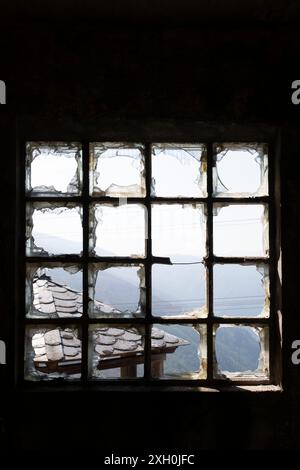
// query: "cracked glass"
[[179, 290], [53, 229], [241, 230], [241, 290], [52, 352], [117, 291], [116, 351], [178, 232], [178, 351], [53, 169], [240, 170], [117, 170], [93, 272], [53, 290], [118, 230], [241, 351], [179, 170]]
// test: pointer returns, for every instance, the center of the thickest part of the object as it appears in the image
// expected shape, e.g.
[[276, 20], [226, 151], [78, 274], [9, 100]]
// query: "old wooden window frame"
[[272, 200]]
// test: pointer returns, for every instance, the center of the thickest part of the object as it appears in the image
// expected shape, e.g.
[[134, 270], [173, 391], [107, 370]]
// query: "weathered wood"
[[129, 371], [157, 368]]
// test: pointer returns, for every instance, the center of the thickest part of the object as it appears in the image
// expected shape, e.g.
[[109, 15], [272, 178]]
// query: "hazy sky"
[[175, 230]]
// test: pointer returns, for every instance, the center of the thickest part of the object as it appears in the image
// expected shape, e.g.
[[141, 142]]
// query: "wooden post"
[[157, 367], [128, 371]]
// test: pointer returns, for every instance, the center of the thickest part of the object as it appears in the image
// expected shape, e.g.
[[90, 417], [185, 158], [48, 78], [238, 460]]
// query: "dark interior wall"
[[130, 72]]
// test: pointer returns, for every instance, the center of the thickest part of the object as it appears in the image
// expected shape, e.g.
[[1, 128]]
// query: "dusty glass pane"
[[116, 351], [240, 170], [179, 290], [241, 351], [52, 352], [179, 170], [53, 290], [178, 232], [241, 290], [118, 230], [53, 229], [53, 169], [117, 170], [116, 291], [240, 230], [178, 351]]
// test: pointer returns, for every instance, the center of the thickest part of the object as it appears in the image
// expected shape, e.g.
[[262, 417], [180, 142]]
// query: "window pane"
[[117, 170], [178, 351], [240, 170], [53, 291], [118, 230], [179, 290], [241, 290], [241, 351], [116, 351], [53, 169], [240, 230], [53, 229], [52, 352], [179, 170], [116, 291], [178, 232]]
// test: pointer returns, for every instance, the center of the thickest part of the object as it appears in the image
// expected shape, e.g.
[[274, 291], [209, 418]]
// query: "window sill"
[[96, 388]]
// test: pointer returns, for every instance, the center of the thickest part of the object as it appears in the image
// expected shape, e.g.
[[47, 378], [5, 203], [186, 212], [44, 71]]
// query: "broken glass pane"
[[178, 351], [53, 290], [53, 169], [241, 290], [52, 352], [179, 170], [117, 170], [179, 290], [240, 170], [116, 291], [178, 232], [240, 230], [53, 229], [241, 351], [116, 351], [118, 230]]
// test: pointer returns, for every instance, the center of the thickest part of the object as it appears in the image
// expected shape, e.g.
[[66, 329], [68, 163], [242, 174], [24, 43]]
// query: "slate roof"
[[57, 345], [54, 300], [62, 346]]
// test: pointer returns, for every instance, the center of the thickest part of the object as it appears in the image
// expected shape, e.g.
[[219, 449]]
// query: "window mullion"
[[209, 262], [85, 227], [148, 265]]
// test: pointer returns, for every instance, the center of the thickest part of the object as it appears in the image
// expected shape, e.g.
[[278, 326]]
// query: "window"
[[149, 262]]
